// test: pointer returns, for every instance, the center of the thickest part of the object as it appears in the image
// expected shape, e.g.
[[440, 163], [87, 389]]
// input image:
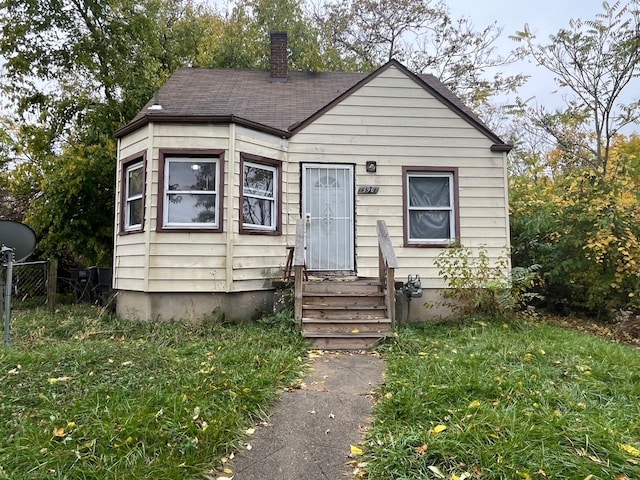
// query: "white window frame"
[[273, 198], [168, 161], [128, 200], [451, 208]]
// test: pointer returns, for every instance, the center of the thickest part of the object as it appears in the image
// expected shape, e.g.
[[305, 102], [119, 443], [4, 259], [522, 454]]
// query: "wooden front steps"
[[341, 314]]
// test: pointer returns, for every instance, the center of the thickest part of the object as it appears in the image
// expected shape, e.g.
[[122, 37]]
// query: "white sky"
[[544, 18]]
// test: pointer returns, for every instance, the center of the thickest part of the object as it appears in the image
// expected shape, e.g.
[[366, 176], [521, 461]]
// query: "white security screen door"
[[327, 204]]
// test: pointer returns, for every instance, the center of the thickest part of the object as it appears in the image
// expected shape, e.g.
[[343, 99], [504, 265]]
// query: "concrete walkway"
[[311, 429]]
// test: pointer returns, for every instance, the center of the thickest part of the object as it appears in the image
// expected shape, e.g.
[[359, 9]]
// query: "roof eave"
[[197, 119], [501, 147]]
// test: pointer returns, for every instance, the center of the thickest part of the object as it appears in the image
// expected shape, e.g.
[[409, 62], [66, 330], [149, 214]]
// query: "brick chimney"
[[279, 57]]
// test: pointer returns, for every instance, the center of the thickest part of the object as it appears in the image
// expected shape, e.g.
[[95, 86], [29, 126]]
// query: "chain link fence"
[[33, 283], [29, 287]]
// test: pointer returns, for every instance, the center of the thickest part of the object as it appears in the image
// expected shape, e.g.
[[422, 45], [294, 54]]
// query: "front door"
[[327, 205]]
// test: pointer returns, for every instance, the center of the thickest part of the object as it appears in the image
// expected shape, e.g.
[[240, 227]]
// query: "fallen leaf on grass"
[[474, 404], [250, 431], [630, 449], [59, 432], [463, 476], [436, 471], [59, 379], [438, 429], [422, 449], [355, 450]]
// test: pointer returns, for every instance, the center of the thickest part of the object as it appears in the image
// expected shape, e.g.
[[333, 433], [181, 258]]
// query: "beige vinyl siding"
[[187, 261], [129, 263], [129, 250], [203, 261], [181, 262], [258, 258], [134, 143], [393, 121]]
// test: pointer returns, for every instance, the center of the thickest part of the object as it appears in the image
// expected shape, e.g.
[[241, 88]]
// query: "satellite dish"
[[18, 237]]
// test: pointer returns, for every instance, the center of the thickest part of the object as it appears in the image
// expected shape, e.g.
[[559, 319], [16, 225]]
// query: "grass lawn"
[[87, 396], [506, 401]]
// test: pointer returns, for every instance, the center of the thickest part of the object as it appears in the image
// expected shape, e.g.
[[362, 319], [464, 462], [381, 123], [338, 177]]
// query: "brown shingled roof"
[[250, 98]]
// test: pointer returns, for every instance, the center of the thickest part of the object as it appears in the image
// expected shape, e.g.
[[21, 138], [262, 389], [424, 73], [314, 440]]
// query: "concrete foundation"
[[246, 306], [195, 307], [431, 306]]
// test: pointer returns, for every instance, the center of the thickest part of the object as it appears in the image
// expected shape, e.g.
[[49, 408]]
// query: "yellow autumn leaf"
[[438, 428], [59, 432], [630, 449], [228, 471], [475, 404], [355, 450], [250, 431], [53, 381]]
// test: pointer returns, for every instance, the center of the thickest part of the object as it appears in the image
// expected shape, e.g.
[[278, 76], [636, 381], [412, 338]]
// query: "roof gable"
[[250, 98]]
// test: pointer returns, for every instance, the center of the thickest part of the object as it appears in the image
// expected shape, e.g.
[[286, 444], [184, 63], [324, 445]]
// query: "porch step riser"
[[340, 288], [345, 315], [342, 301], [309, 328], [343, 343]]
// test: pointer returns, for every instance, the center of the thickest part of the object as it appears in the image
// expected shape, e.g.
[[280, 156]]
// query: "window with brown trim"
[[190, 193], [260, 193], [430, 206], [132, 196]]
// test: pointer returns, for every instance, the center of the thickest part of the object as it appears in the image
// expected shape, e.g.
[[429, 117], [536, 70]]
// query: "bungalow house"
[[217, 171]]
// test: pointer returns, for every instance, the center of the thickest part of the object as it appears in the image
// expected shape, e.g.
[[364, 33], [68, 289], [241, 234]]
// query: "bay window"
[[191, 196]]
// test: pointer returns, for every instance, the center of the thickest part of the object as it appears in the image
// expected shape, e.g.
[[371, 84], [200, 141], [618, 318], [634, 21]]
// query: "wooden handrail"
[[387, 263], [298, 269]]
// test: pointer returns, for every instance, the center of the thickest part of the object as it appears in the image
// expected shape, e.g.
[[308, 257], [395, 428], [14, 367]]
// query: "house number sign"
[[368, 190]]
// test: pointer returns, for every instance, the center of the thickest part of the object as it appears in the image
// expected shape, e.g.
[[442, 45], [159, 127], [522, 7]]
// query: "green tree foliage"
[[241, 38], [574, 203], [584, 230], [78, 70]]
